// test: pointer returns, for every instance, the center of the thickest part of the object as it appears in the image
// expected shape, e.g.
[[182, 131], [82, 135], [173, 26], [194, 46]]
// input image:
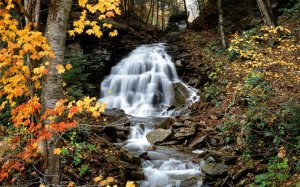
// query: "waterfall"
[[142, 84]]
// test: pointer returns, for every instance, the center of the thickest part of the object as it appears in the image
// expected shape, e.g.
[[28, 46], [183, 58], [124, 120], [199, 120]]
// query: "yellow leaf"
[[101, 17], [114, 33], [71, 184], [69, 66], [42, 185], [110, 179], [97, 179], [130, 184], [282, 152], [57, 151], [60, 68]]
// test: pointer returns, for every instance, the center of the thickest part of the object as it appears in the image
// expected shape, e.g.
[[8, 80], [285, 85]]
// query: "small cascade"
[[142, 85]]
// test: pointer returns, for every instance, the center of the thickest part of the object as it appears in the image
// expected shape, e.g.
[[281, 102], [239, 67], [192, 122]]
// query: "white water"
[[141, 85]]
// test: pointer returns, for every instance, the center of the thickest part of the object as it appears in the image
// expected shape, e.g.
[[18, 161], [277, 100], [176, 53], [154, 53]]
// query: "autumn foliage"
[[22, 68]]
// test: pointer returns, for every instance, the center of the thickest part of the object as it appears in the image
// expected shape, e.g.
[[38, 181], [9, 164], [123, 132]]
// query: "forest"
[[150, 93]]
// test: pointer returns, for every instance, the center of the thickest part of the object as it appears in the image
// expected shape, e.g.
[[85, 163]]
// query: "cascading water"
[[142, 85]]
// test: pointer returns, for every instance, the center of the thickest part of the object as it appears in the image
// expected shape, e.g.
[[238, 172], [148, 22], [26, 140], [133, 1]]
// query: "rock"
[[178, 63], [210, 131], [137, 175], [188, 123], [215, 141], [165, 124], [117, 113], [178, 124], [180, 94], [197, 141], [158, 135], [215, 169], [200, 153], [169, 143], [192, 181], [182, 133], [222, 156]]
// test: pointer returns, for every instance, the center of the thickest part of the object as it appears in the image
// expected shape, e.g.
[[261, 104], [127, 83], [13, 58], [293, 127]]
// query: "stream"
[[142, 84]]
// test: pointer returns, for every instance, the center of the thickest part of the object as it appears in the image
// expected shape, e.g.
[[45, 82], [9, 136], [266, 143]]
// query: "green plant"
[[77, 78], [83, 169], [277, 172], [211, 91]]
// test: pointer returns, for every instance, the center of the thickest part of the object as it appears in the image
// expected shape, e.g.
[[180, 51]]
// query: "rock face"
[[215, 169], [180, 94], [158, 135]]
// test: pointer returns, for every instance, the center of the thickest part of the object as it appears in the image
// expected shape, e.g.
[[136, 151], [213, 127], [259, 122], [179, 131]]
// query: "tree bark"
[[153, 5], [151, 1], [221, 24], [55, 33], [157, 14], [186, 13], [266, 12], [162, 15]]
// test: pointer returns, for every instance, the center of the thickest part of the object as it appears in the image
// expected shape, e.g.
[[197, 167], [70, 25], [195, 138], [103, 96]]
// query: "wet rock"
[[158, 135], [165, 124], [178, 63], [114, 113], [197, 141], [192, 181], [215, 169], [200, 153], [180, 94], [182, 133], [137, 175], [169, 143]]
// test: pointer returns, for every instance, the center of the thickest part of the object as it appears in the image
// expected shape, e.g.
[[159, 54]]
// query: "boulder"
[[182, 133], [197, 141], [165, 124], [180, 94], [215, 169], [158, 135]]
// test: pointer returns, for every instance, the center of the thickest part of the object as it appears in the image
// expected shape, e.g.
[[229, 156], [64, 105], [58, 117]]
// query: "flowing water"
[[142, 85]]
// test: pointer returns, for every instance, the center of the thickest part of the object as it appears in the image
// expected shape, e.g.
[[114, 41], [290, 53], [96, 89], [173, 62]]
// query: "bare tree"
[[221, 24], [266, 12], [186, 14]]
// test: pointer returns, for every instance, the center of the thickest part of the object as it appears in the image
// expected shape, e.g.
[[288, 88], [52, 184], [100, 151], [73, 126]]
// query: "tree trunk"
[[153, 5], [149, 11], [266, 12], [55, 33], [142, 11], [186, 13], [127, 16], [157, 14], [162, 15], [221, 24]]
